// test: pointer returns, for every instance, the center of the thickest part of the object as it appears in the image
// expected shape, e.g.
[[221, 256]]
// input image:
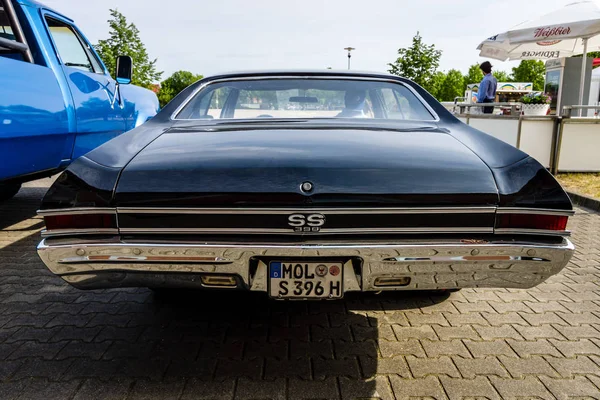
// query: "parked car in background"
[[57, 100], [390, 193]]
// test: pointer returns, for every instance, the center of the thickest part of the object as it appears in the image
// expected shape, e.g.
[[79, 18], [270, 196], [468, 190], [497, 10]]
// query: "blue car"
[[57, 99]]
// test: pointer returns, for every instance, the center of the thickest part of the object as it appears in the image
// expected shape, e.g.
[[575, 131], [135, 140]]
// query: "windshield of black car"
[[306, 98]]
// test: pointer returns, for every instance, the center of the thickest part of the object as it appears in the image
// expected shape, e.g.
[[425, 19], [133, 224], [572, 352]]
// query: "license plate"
[[301, 280]]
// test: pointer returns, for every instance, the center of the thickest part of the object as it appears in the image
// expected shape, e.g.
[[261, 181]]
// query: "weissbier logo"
[[548, 32]]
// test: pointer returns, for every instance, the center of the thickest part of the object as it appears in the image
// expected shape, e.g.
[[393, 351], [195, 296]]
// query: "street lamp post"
[[349, 54]]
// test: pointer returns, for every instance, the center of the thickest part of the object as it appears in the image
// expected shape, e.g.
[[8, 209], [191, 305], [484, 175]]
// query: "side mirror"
[[124, 70]]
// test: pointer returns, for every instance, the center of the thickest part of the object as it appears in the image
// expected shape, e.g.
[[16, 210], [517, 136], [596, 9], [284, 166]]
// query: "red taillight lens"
[[81, 221], [532, 221]]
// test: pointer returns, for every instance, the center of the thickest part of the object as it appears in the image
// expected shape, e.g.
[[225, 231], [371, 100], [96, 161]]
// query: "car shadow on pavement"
[[18, 211], [60, 342]]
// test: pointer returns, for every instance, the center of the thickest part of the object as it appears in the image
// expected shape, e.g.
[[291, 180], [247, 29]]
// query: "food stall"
[[506, 92]]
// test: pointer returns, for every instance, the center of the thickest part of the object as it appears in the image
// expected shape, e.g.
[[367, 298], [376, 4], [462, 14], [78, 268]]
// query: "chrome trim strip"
[[77, 211], [144, 259], [332, 231], [540, 211], [463, 258], [435, 116], [532, 231], [265, 211], [92, 231]]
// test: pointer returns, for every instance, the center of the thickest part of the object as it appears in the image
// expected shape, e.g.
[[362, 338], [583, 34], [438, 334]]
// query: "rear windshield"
[[305, 98]]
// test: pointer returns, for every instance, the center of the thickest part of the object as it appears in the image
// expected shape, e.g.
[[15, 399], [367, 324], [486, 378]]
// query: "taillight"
[[532, 221], [80, 221]]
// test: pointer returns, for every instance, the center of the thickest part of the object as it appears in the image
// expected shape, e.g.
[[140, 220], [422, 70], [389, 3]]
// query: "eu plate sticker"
[[275, 270]]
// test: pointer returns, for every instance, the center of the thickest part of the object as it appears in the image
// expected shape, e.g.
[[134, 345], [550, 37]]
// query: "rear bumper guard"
[[427, 265]]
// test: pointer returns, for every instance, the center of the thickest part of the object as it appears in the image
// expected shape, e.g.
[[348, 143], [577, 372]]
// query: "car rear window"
[[307, 99]]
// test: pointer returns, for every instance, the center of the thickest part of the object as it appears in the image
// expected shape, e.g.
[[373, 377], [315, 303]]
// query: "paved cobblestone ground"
[[59, 342]]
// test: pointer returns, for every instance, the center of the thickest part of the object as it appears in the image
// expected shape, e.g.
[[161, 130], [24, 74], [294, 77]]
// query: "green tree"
[[435, 85], [591, 54], [174, 84], [502, 76], [418, 62], [530, 71], [452, 86], [124, 40], [475, 75]]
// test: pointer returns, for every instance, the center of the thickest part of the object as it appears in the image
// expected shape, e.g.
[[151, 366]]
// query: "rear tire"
[[8, 191]]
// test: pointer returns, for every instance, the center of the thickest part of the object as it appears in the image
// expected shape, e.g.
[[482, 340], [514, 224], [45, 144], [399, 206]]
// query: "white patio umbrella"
[[572, 30]]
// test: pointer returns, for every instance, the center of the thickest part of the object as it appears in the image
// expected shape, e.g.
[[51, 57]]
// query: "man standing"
[[487, 87]]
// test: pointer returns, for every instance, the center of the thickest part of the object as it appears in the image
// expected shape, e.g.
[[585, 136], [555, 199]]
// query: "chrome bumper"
[[429, 264]]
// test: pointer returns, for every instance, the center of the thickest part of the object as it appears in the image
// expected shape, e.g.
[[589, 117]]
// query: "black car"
[[305, 185]]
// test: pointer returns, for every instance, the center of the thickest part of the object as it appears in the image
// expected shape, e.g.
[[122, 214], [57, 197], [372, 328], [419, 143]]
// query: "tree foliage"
[[124, 40], [474, 75], [503, 76], [530, 71], [418, 62], [174, 84], [452, 86]]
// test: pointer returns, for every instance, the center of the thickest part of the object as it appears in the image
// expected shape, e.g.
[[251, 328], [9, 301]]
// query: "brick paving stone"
[[40, 368], [311, 349], [513, 306], [537, 347], [471, 367], [428, 387], [426, 319], [297, 368], [315, 389], [42, 389], [434, 349], [545, 318], [528, 388], [378, 387], [421, 332], [381, 332], [479, 387], [509, 318], [578, 332], [401, 348], [384, 366], [539, 332], [347, 367], [535, 365], [421, 367], [143, 389], [579, 347], [8, 368], [110, 389], [578, 387], [577, 319], [466, 319], [261, 389], [32, 349], [498, 332], [202, 390], [494, 348], [580, 365], [456, 332]]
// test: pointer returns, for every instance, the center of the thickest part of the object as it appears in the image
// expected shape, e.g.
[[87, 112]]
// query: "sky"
[[209, 37]]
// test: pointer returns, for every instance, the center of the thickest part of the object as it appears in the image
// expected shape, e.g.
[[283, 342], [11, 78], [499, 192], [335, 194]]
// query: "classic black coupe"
[[305, 184]]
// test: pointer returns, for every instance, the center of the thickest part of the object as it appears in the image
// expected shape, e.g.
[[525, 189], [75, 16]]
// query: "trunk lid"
[[419, 167]]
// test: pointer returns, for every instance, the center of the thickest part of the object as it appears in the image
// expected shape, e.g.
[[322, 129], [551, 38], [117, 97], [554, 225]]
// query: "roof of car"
[[37, 4], [304, 72]]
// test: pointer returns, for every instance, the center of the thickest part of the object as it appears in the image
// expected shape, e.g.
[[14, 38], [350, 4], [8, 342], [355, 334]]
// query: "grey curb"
[[584, 201]]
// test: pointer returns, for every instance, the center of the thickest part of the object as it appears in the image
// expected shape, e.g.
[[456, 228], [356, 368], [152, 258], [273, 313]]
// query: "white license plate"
[[302, 280]]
